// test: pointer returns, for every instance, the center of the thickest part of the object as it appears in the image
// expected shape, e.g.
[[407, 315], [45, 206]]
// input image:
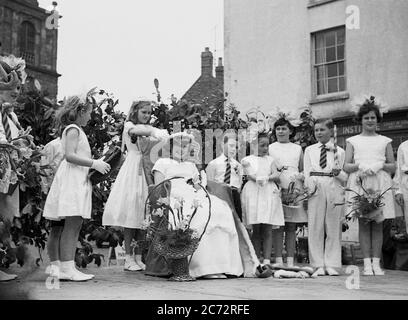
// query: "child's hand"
[[336, 172], [261, 181], [160, 134], [101, 166], [274, 178]]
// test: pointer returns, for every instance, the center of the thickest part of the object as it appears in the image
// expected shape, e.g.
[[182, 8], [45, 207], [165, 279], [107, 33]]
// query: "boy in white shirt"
[[324, 217], [225, 169]]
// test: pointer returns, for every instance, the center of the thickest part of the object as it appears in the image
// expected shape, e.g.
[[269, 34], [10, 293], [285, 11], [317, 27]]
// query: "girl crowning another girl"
[[125, 205]]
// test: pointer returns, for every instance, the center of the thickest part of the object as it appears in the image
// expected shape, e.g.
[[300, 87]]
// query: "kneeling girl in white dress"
[[218, 253], [70, 195]]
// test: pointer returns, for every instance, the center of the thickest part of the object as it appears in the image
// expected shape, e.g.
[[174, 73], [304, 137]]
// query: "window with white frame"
[[329, 63]]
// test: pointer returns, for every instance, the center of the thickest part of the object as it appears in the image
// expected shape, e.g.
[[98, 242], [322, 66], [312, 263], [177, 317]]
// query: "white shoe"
[[331, 271], [141, 265], [368, 267], [131, 265], [53, 271], [70, 273], [376, 267], [6, 277], [319, 272]]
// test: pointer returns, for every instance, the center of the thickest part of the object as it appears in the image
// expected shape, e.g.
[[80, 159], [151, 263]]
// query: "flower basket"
[[172, 252]]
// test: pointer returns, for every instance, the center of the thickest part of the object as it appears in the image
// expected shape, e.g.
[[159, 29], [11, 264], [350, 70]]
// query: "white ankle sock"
[[266, 261], [376, 263], [367, 262], [55, 263], [279, 260], [289, 261]]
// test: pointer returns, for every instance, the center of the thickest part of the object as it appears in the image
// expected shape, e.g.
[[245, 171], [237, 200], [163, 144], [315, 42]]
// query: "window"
[[329, 64], [27, 41]]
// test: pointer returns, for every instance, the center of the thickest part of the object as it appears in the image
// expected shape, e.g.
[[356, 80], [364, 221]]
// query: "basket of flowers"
[[296, 192], [366, 204], [168, 223]]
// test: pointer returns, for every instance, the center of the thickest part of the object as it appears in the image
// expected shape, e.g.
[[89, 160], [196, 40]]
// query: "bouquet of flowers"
[[168, 222], [19, 163], [367, 204], [296, 192]]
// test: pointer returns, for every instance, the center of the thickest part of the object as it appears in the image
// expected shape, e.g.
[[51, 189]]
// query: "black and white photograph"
[[210, 152]]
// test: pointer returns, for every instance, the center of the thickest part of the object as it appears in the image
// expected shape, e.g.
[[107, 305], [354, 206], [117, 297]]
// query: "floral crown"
[[363, 100], [15, 64]]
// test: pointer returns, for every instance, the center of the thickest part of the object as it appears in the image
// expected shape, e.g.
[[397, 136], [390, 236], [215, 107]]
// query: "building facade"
[[23, 33], [207, 89], [322, 53]]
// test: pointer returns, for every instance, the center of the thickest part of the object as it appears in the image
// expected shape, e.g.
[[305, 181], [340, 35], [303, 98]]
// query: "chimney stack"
[[206, 62], [219, 71]]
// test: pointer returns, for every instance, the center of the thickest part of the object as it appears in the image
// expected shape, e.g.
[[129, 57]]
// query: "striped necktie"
[[323, 156], [6, 125], [227, 176]]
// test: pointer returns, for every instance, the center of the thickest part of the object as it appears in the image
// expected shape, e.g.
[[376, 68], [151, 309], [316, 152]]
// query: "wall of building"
[[44, 66], [268, 52]]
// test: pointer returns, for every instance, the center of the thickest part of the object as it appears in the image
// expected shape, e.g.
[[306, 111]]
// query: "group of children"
[[270, 169]]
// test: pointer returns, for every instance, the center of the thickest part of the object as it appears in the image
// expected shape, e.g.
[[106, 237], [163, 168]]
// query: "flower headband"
[[360, 101], [272, 118], [15, 64]]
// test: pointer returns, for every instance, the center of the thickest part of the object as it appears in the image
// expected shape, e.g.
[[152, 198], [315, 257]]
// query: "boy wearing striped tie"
[[225, 169], [322, 169]]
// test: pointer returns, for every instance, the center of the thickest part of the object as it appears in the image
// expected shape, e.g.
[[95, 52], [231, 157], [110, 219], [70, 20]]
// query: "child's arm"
[[349, 165], [158, 177], [72, 157], [275, 175], [147, 130], [210, 171], [306, 164], [340, 174], [398, 176], [389, 164], [301, 161]]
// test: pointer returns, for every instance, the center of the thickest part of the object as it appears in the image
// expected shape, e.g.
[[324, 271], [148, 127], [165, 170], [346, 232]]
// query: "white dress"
[[371, 151], [125, 205], [261, 204], [218, 251], [288, 154], [71, 191]]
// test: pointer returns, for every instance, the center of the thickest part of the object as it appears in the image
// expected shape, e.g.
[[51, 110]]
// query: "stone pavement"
[[113, 283]]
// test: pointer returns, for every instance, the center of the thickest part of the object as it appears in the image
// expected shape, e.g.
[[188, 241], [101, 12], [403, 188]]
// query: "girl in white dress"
[[125, 205], [70, 195], [370, 154], [290, 157], [218, 253], [261, 202]]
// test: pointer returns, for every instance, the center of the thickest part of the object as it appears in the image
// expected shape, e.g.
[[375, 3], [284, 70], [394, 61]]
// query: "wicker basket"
[[170, 252]]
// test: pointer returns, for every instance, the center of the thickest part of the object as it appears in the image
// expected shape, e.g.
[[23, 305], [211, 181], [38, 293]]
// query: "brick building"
[[207, 87], [23, 33]]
